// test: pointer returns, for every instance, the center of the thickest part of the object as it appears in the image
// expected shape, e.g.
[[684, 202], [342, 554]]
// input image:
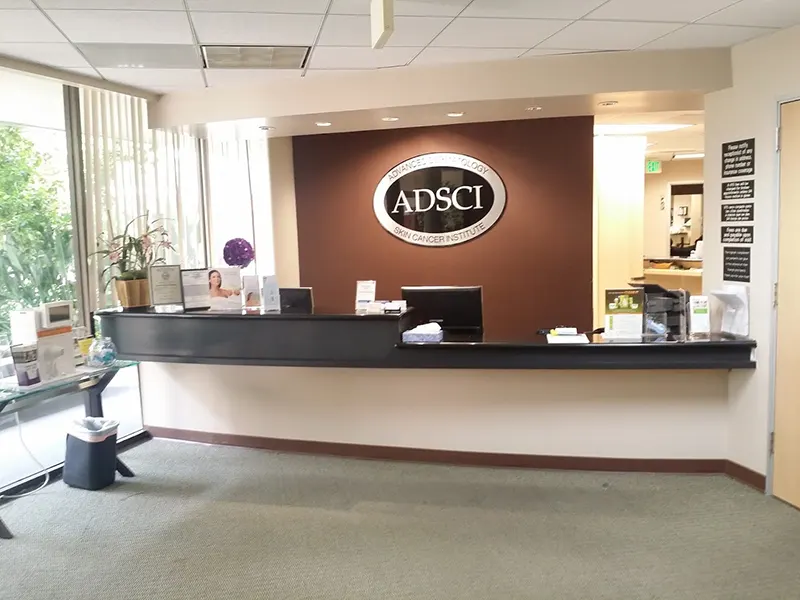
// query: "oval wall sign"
[[439, 199]]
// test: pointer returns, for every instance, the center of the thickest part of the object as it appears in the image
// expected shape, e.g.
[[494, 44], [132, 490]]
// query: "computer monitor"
[[299, 301], [456, 309]]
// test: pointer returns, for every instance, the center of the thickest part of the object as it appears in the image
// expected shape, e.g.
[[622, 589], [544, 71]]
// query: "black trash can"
[[91, 458]]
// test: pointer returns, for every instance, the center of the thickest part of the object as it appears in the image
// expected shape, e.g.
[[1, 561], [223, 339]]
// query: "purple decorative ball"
[[238, 252]]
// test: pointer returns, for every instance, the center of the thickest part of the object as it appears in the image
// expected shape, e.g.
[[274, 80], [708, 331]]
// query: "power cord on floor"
[[34, 459]]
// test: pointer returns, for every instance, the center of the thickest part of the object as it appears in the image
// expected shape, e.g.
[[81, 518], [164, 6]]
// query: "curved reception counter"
[[347, 385]]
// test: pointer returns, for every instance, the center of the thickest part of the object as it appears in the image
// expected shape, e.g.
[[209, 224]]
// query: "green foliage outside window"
[[36, 257]]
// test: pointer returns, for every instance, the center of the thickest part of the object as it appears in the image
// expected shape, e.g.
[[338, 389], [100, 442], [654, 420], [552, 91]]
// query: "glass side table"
[[92, 380]]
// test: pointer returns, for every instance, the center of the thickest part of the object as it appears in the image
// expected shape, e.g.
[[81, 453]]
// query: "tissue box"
[[416, 337]]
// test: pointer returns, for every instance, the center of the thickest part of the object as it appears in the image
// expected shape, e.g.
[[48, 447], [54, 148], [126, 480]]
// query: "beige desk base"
[[629, 415]]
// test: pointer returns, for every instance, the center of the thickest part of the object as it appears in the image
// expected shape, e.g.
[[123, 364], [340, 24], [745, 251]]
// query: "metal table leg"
[[5, 534], [93, 407]]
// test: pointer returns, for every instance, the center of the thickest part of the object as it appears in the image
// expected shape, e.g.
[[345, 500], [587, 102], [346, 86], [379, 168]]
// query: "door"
[[786, 465]]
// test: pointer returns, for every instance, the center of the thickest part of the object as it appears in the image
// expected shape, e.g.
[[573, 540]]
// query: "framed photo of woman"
[[225, 288]]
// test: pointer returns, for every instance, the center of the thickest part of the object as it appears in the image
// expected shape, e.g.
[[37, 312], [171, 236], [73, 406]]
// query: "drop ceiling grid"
[[52, 31]]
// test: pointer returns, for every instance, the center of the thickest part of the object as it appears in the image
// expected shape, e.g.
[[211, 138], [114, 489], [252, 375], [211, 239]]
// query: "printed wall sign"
[[739, 190], [741, 234], [739, 158], [439, 199], [736, 264], [742, 212]]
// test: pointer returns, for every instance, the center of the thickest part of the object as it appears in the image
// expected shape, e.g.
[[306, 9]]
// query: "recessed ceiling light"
[[534, 108], [390, 119], [455, 114], [688, 156], [266, 127], [635, 129], [323, 124], [608, 103]]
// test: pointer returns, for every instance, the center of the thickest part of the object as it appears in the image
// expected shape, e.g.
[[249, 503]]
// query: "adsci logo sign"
[[439, 199]]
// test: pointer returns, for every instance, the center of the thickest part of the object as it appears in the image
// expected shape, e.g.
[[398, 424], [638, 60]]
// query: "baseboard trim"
[[454, 457], [745, 475]]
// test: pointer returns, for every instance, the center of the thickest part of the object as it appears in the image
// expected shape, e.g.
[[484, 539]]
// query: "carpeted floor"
[[202, 522]]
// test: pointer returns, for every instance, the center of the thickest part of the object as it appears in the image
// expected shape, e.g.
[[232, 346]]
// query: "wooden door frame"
[[775, 265]]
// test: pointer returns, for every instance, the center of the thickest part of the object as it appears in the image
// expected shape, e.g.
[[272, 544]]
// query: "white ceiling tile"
[[326, 57], [532, 9], [113, 4], [348, 30], [759, 13], [404, 8], [244, 77], [148, 56], [55, 55], [317, 73], [706, 36], [677, 11], [433, 56], [252, 28], [156, 79], [556, 51], [497, 33], [310, 7], [124, 27], [27, 26], [608, 35], [17, 4]]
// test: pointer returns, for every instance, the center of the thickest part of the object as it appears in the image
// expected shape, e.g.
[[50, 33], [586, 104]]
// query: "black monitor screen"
[[454, 308], [297, 301]]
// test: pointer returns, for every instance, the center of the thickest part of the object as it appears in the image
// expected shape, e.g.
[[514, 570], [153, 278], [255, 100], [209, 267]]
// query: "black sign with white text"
[[734, 213], [736, 264], [740, 234], [739, 158], [739, 190]]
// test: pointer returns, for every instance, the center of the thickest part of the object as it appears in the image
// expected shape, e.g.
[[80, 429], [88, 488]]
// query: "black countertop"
[[374, 341]]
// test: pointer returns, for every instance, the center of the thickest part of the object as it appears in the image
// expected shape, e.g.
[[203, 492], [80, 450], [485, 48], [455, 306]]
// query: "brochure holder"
[[733, 306]]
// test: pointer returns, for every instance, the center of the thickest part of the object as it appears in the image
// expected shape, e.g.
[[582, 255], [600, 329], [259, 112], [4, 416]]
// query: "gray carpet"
[[204, 522]]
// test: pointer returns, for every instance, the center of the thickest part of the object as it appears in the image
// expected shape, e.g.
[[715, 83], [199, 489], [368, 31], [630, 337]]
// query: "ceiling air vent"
[[255, 57]]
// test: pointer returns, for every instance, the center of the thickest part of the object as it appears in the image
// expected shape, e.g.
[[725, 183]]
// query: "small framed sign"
[[196, 294], [165, 285], [365, 294]]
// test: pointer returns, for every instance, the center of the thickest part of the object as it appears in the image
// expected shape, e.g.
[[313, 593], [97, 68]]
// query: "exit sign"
[[653, 166]]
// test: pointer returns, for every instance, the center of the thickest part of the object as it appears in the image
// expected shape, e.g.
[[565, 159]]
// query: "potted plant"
[[130, 256]]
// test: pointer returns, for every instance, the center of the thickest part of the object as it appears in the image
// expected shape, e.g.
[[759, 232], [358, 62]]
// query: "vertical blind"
[[131, 171]]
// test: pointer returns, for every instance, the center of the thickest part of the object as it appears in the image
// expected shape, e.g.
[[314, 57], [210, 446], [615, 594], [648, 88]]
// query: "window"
[[238, 197], [131, 171], [36, 248]]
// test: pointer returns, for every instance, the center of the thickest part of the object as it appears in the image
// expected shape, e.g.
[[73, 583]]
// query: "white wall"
[[284, 211], [618, 214], [656, 189], [764, 74], [563, 413]]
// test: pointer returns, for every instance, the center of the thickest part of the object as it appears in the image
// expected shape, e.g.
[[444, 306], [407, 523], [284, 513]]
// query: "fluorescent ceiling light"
[[390, 119], [631, 129], [323, 124], [534, 108], [688, 156], [455, 114]]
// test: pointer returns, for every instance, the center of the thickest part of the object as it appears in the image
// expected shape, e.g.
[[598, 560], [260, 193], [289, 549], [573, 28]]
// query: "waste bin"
[[91, 458]]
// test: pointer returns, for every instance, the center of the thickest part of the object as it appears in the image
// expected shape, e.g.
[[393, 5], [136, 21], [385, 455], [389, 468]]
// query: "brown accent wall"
[[535, 264]]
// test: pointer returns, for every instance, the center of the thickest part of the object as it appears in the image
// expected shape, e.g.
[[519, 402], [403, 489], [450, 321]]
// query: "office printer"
[[665, 312]]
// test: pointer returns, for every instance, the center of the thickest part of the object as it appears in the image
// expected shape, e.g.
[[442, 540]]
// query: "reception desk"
[[347, 385], [374, 341]]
